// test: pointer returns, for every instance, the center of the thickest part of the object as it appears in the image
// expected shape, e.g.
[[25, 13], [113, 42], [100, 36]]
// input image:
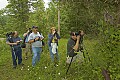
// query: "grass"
[[44, 70]]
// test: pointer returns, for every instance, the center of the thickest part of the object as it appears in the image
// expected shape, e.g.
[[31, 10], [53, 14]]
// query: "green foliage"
[[45, 67], [108, 49], [5, 51], [18, 11], [88, 15], [3, 22], [85, 14], [74, 14]]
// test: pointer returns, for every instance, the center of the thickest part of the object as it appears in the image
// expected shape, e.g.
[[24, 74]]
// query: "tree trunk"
[[58, 21], [105, 74]]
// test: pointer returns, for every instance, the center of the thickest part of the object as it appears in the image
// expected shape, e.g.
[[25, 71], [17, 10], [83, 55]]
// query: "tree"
[[89, 15], [19, 11]]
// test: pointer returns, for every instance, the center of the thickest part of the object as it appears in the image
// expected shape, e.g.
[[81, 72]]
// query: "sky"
[[3, 3]]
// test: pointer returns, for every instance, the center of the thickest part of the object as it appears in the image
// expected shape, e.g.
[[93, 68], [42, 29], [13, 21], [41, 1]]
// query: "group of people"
[[34, 42]]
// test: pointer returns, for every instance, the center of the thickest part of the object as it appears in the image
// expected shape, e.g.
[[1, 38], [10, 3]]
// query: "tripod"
[[69, 65], [13, 51], [85, 50]]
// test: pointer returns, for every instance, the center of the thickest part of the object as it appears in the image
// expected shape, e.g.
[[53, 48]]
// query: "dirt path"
[[2, 39]]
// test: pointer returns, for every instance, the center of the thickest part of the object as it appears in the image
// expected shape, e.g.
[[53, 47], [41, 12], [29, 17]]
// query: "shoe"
[[26, 58], [14, 67], [56, 65], [21, 64]]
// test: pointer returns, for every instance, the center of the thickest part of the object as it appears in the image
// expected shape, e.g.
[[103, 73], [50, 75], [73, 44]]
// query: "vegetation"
[[45, 69], [100, 21]]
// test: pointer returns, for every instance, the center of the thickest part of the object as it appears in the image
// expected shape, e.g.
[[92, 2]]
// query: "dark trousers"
[[16, 54]]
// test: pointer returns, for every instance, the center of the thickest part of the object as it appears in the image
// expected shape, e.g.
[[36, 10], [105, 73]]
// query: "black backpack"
[[23, 45], [43, 43]]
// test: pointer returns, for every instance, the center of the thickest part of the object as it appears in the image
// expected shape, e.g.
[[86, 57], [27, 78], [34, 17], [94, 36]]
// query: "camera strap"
[[24, 38], [13, 50]]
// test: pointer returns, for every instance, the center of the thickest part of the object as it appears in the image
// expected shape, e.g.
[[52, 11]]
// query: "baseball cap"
[[34, 27]]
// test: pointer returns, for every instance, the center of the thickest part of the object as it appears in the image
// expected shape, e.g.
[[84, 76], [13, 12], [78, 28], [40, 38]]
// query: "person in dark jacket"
[[15, 48], [75, 47]]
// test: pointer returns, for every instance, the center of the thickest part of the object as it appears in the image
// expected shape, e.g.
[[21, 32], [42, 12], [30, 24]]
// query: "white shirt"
[[33, 36]]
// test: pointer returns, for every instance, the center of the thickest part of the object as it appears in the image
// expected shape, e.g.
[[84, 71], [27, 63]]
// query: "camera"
[[77, 33], [39, 38], [9, 36], [55, 32], [30, 31]]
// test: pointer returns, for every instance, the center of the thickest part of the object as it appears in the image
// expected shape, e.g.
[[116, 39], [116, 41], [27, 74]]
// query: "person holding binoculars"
[[53, 38], [75, 47]]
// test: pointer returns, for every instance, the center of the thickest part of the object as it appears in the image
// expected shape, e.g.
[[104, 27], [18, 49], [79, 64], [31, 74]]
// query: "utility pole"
[[58, 21], [58, 18]]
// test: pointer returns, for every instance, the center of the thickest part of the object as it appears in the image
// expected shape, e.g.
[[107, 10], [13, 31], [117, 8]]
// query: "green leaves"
[[107, 50], [19, 11]]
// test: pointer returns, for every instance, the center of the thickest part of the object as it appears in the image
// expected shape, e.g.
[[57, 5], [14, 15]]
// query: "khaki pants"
[[79, 58], [28, 48]]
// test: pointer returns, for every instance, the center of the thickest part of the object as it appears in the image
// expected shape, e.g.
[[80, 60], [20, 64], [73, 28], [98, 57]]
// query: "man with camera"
[[14, 41], [35, 38], [74, 47], [27, 45]]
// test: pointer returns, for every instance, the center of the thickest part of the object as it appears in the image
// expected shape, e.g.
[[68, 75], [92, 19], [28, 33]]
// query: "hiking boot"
[[14, 67], [21, 64], [26, 58], [56, 65]]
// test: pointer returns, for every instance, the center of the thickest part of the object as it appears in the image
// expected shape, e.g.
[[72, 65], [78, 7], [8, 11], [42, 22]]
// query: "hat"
[[34, 27]]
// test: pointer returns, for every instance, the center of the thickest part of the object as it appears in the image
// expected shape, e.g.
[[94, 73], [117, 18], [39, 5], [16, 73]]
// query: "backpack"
[[23, 45], [43, 43]]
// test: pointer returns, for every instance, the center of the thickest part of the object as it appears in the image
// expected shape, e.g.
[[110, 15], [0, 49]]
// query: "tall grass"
[[45, 69]]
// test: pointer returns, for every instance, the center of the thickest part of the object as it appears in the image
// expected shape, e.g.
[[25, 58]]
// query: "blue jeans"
[[36, 54], [52, 55], [16, 53]]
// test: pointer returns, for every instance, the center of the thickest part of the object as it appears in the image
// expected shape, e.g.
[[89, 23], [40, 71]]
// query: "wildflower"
[[45, 67]]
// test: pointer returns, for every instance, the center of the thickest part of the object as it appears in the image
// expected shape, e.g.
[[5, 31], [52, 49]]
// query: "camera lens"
[[76, 33]]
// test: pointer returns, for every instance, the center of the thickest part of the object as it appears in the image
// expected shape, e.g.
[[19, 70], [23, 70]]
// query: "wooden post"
[[58, 19]]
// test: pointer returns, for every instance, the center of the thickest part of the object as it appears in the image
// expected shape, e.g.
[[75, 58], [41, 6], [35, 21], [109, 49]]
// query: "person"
[[14, 42], [53, 38], [28, 45], [35, 38], [73, 47]]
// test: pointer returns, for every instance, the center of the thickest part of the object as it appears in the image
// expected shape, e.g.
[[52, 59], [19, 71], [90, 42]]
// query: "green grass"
[[45, 70]]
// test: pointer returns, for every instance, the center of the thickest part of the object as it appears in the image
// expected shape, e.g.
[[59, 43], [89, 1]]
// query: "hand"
[[78, 37], [54, 32], [14, 43], [36, 39], [28, 31], [17, 42], [21, 40], [41, 38]]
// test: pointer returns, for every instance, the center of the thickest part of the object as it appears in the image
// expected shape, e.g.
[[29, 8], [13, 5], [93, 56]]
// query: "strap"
[[24, 39], [76, 52]]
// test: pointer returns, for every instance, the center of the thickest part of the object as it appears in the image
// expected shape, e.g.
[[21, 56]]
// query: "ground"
[[44, 70]]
